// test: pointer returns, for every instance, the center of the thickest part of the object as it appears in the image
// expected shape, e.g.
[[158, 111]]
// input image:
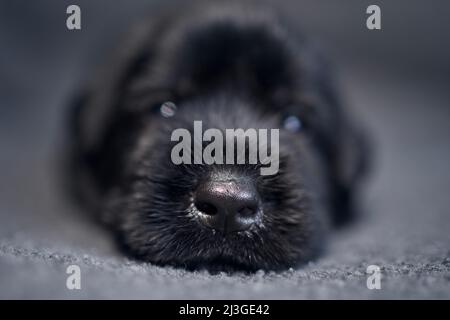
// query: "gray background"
[[396, 80]]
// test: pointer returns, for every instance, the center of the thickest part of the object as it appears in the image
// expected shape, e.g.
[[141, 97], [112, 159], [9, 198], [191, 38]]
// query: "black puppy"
[[229, 67]]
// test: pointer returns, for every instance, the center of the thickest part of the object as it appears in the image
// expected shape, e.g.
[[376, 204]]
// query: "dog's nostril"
[[227, 206], [248, 212], [206, 208]]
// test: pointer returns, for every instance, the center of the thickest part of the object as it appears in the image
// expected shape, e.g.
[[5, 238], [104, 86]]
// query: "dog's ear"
[[342, 142], [353, 156], [349, 166], [97, 101], [95, 112]]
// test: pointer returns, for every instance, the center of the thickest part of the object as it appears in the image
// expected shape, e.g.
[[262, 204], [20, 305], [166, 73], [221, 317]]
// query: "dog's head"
[[222, 213]]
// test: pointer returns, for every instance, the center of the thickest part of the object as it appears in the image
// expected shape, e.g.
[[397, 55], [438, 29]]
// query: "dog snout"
[[228, 206]]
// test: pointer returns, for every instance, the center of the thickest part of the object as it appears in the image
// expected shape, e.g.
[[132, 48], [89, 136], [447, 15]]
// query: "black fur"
[[231, 68]]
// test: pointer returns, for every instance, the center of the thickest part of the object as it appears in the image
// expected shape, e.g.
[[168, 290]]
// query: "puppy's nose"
[[227, 206]]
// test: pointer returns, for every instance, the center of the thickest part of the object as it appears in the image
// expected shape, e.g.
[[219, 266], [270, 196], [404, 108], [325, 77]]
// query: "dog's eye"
[[168, 109], [292, 123]]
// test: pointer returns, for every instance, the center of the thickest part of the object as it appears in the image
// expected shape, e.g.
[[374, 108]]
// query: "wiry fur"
[[231, 68]]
